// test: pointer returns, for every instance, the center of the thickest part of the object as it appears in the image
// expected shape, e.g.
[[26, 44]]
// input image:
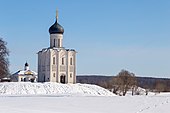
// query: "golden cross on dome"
[[57, 14]]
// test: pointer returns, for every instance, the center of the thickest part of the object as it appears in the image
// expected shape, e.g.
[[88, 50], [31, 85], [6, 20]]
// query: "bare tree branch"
[[4, 63]]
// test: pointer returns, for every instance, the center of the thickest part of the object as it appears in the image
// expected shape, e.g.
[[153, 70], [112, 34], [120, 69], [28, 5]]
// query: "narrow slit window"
[[71, 61], [53, 60], [54, 42], [62, 61], [58, 42]]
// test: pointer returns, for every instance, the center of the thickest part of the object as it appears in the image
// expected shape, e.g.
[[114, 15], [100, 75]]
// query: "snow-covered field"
[[83, 103]]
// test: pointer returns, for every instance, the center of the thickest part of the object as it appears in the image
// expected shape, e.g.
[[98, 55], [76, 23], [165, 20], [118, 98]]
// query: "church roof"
[[25, 72], [57, 49]]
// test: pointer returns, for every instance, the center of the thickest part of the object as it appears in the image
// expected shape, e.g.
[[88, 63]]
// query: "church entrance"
[[63, 79]]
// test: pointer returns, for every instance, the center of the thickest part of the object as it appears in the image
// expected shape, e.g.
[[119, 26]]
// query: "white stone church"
[[56, 63]]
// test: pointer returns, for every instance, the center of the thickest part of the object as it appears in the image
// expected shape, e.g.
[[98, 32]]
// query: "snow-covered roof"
[[25, 72]]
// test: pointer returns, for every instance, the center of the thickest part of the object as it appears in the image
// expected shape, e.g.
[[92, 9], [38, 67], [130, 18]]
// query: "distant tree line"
[[162, 86], [126, 81]]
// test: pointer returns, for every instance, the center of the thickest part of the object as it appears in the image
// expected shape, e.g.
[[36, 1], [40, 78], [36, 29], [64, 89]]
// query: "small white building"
[[56, 63], [25, 75]]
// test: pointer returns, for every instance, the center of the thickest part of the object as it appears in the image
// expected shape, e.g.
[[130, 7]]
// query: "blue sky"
[[109, 35]]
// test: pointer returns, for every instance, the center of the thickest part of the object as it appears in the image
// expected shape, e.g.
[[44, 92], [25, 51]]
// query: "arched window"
[[53, 60], [70, 75]]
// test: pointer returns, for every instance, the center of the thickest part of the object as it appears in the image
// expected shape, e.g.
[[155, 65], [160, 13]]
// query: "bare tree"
[[4, 53], [116, 85], [125, 81]]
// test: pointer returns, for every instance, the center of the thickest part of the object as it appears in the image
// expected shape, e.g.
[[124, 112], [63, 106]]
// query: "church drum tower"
[[57, 64]]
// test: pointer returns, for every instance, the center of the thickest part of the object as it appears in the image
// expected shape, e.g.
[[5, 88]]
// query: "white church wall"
[[43, 66], [71, 66], [62, 65], [53, 66]]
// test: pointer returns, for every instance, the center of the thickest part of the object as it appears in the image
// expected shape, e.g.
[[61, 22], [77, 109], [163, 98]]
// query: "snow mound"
[[48, 88]]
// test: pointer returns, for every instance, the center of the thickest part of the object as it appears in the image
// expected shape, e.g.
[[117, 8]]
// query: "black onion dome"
[[26, 64], [56, 28]]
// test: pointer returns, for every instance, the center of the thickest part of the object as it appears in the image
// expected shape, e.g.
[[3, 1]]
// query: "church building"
[[25, 75], [56, 63]]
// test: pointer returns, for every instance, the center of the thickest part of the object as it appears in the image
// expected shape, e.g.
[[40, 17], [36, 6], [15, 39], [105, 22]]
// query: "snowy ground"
[[72, 103], [82, 104], [27, 88]]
